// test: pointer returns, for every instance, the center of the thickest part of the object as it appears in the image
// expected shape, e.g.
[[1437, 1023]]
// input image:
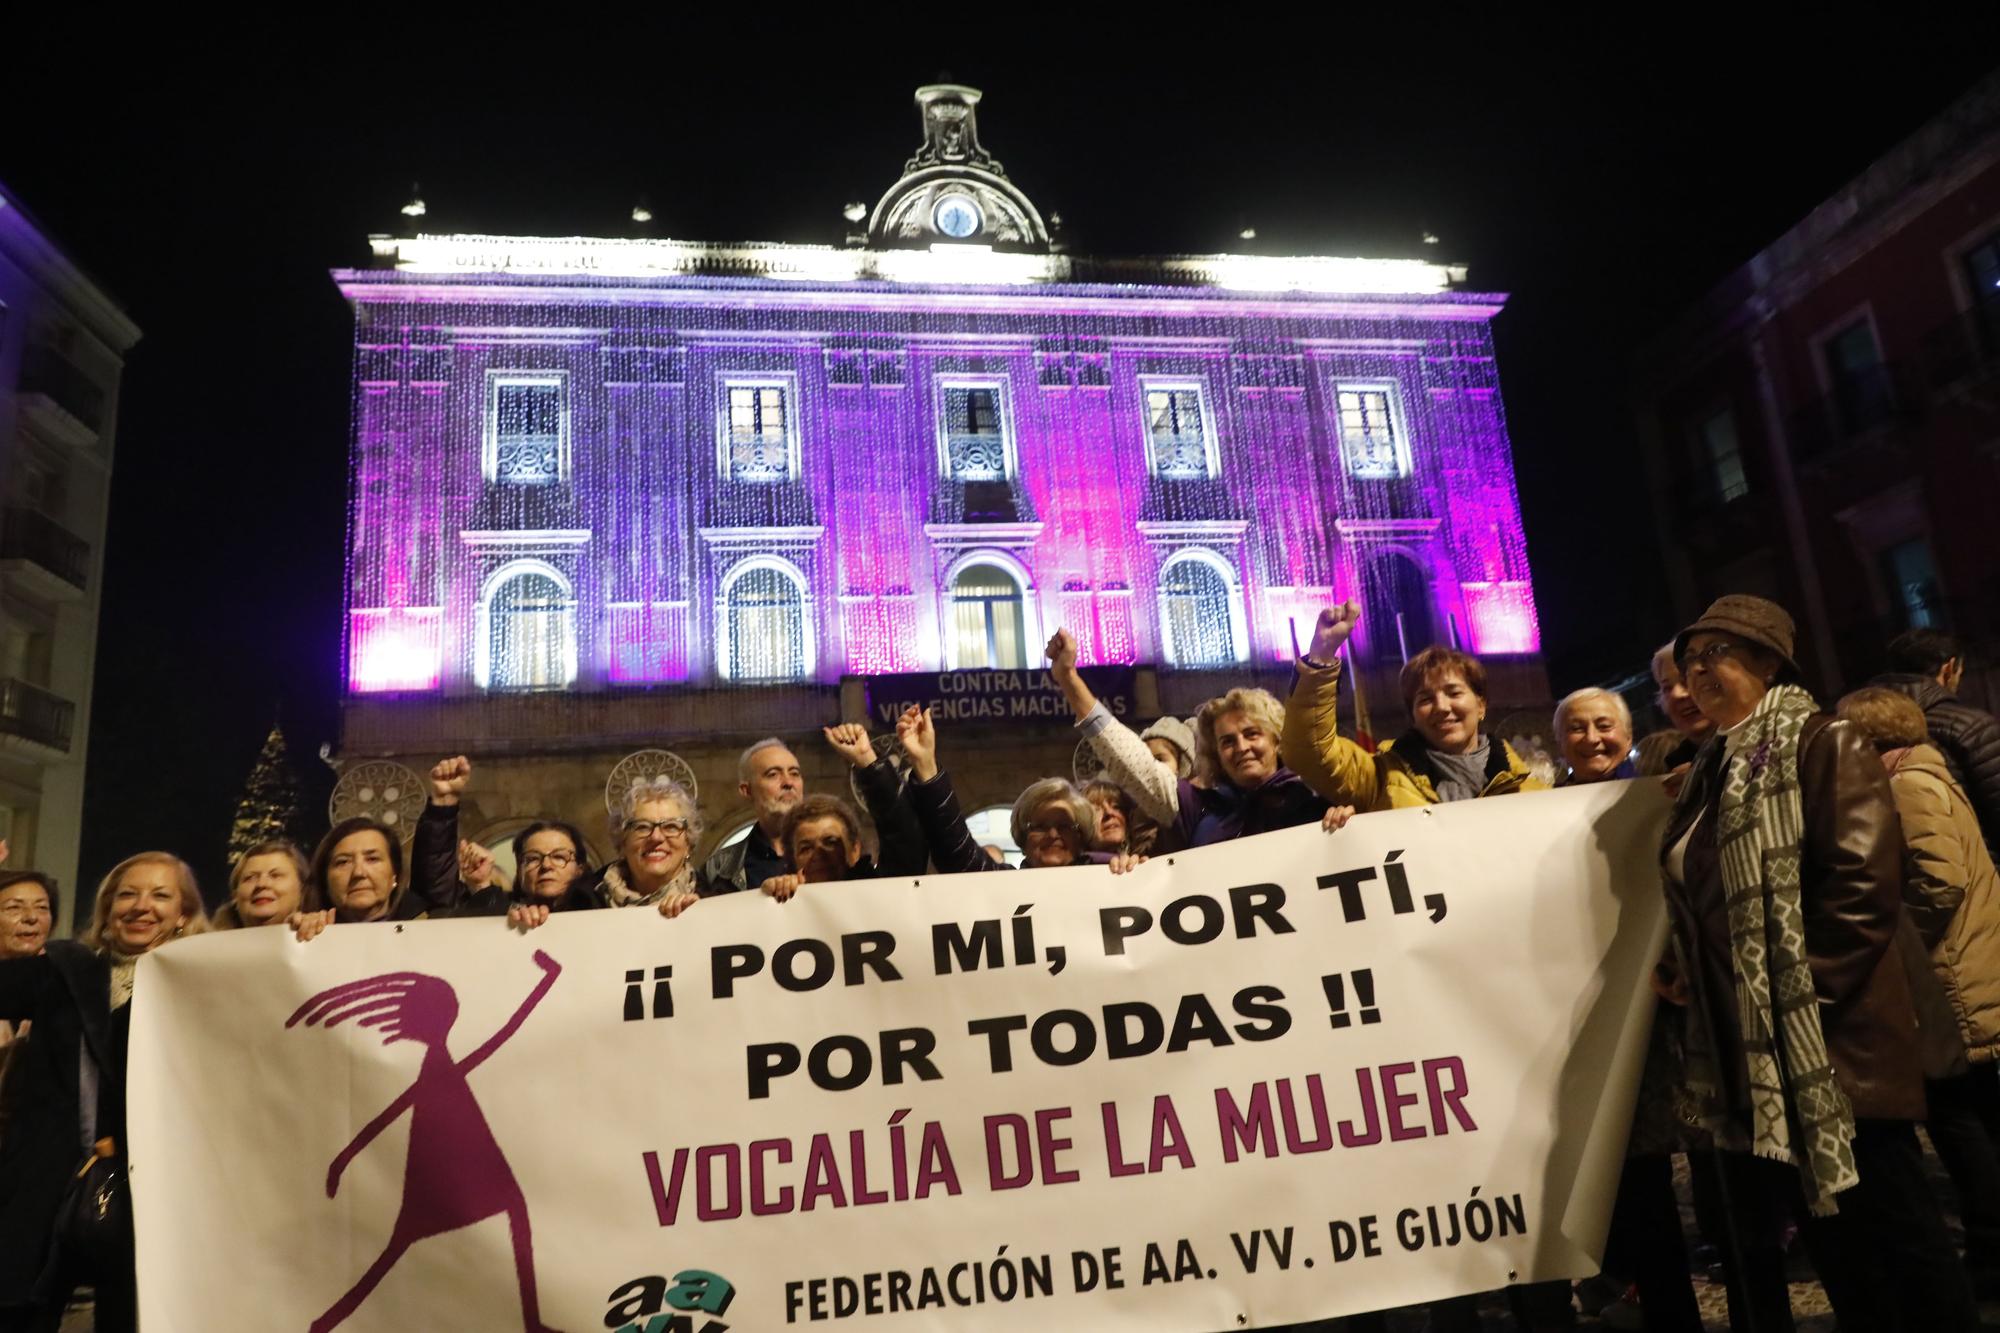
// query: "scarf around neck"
[[1467, 776], [621, 893], [1799, 1113]]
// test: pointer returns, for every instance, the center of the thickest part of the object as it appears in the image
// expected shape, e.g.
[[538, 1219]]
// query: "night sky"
[[210, 180]]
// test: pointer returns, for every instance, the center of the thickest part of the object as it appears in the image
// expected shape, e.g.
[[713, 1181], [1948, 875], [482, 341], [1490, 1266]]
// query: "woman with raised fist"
[[1444, 756], [1236, 743]]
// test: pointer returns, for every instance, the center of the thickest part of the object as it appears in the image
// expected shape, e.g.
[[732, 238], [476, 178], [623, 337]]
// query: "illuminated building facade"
[[63, 344], [618, 493]]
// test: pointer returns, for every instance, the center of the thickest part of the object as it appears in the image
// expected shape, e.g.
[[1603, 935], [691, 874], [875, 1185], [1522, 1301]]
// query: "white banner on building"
[[1296, 1076]]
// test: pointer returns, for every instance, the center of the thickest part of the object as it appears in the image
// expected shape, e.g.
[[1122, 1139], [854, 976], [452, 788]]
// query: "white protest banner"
[[1298, 1075]]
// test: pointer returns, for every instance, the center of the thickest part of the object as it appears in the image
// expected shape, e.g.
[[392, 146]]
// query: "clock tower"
[[953, 191]]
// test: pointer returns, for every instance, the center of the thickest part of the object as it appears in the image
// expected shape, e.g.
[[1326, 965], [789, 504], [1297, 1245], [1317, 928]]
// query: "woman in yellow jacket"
[[1443, 757]]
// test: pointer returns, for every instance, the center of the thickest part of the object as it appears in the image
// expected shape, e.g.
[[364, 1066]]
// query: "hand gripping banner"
[[1300, 1075]]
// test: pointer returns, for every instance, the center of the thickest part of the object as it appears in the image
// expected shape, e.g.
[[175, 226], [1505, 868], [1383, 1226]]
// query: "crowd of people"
[[1833, 977]]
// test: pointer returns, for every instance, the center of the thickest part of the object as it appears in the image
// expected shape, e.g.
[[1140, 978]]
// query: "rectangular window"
[[1862, 396], [1177, 431], [1370, 442], [527, 429], [759, 444], [1911, 576], [975, 431], [1723, 457]]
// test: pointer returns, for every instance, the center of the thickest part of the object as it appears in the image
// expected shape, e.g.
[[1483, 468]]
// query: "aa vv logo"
[[654, 1305]]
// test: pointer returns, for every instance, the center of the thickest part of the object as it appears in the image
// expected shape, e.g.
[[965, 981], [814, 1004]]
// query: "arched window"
[[1199, 613], [1398, 608], [530, 630], [764, 626], [988, 626]]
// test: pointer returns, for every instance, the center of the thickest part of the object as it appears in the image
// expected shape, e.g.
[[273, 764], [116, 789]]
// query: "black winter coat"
[[66, 994], [899, 834], [953, 849], [434, 888], [1970, 740]]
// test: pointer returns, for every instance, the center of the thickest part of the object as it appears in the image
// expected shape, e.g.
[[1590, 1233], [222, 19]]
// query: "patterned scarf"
[[124, 967], [621, 893], [1798, 1112]]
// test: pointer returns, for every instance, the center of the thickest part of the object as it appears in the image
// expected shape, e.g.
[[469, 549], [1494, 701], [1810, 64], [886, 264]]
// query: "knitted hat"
[[1177, 734], [1763, 623]]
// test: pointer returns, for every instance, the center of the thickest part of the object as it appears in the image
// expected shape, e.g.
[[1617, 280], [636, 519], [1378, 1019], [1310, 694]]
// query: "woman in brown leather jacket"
[[1783, 864]]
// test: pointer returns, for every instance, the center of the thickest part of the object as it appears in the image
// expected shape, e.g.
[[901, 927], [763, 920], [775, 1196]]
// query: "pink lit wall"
[[392, 648], [644, 530]]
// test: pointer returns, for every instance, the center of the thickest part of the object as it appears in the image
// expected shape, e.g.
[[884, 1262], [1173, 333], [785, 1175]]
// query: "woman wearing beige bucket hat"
[[1783, 864]]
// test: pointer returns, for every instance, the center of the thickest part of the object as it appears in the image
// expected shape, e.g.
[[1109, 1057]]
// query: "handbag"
[[94, 1224]]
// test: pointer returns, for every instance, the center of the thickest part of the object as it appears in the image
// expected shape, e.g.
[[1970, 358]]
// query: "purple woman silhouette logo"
[[456, 1174]]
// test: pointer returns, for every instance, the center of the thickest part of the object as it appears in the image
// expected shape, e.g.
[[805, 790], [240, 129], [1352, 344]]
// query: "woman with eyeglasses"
[[552, 870], [1053, 824], [1783, 863], [657, 828]]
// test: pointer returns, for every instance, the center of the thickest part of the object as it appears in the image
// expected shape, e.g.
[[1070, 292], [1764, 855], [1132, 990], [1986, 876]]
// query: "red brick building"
[[1824, 429]]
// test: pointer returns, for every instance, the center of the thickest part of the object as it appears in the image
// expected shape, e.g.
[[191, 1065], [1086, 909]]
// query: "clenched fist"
[[1332, 629], [850, 740], [448, 779]]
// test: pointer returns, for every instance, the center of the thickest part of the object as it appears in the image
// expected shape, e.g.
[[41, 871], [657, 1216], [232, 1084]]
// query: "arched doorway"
[[1396, 586]]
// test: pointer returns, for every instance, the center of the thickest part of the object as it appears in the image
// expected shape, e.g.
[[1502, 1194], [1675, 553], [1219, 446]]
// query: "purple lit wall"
[[637, 532]]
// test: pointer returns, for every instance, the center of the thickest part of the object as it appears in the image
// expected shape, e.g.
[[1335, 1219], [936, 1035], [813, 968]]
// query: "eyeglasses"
[[1052, 828], [673, 830], [553, 860], [1707, 658], [15, 911]]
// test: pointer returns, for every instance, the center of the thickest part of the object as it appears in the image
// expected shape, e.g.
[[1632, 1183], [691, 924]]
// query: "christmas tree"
[[269, 807]]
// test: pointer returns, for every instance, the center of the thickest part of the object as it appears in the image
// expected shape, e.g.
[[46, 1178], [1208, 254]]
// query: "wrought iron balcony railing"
[[32, 713], [29, 534]]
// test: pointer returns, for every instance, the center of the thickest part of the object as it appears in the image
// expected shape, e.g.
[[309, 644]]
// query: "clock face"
[[956, 216]]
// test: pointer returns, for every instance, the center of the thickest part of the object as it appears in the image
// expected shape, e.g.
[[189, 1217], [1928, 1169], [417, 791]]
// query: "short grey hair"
[[1055, 789], [661, 788], [743, 768], [1590, 694]]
